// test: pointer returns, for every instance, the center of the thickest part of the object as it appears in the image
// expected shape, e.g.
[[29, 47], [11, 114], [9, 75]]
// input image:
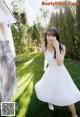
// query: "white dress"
[[56, 85]]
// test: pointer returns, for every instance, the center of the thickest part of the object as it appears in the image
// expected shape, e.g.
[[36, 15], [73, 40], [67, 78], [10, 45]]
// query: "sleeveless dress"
[[56, 85]]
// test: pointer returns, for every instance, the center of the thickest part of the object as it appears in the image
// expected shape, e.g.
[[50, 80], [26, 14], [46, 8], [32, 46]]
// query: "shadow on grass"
[[26, 91]]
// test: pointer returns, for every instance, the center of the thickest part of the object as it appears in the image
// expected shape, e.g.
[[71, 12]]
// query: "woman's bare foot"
[[51, 107]]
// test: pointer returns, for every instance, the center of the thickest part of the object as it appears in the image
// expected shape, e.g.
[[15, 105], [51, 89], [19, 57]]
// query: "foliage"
[[65, 21], [19, 36]]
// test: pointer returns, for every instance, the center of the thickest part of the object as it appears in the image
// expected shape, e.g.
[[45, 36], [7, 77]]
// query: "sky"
[[32, 9]]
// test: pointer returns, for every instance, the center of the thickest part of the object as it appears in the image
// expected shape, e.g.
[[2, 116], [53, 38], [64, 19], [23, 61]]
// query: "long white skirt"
[[57, 87]]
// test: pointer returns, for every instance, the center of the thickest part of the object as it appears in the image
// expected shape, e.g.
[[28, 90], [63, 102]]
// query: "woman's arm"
[[45, 60], [60, 56], [45, 63]]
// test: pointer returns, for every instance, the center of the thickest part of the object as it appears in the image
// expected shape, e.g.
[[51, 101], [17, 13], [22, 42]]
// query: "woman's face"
[[50, 37]]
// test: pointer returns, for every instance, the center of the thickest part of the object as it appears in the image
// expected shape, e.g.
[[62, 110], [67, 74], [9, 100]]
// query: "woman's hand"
[[55, 42]]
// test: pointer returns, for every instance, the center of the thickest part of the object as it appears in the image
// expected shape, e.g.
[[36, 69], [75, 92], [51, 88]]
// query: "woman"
[[56, 85]]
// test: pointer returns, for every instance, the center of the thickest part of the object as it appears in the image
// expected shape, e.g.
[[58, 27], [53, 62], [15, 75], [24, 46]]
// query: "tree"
[[35, 34], [78, 17], [44, 15], [19, 30], [65, 23]]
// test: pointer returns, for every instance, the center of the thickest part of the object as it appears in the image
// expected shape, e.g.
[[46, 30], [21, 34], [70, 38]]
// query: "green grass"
[[29, 71]]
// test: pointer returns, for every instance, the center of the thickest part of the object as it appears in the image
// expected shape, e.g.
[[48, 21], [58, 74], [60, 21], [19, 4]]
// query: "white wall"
[[5, 34]]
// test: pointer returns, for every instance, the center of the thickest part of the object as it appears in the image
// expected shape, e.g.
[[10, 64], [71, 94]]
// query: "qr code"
[[7, 108]]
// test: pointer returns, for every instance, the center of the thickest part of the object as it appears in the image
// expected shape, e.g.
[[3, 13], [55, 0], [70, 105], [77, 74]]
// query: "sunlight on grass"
[[25, 100], [26, 63], [31, 86], [24, 106], [30, 70], [24, 78], [21, 89]]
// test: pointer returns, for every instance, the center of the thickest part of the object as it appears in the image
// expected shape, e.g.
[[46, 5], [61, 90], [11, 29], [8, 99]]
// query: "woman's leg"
[[51, 107], [73, 110]]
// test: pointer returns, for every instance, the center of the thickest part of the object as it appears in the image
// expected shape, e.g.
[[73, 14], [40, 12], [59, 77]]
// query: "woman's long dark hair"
[[54, 31]]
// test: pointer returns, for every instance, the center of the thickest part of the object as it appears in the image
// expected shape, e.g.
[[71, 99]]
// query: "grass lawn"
[[29, 71]]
